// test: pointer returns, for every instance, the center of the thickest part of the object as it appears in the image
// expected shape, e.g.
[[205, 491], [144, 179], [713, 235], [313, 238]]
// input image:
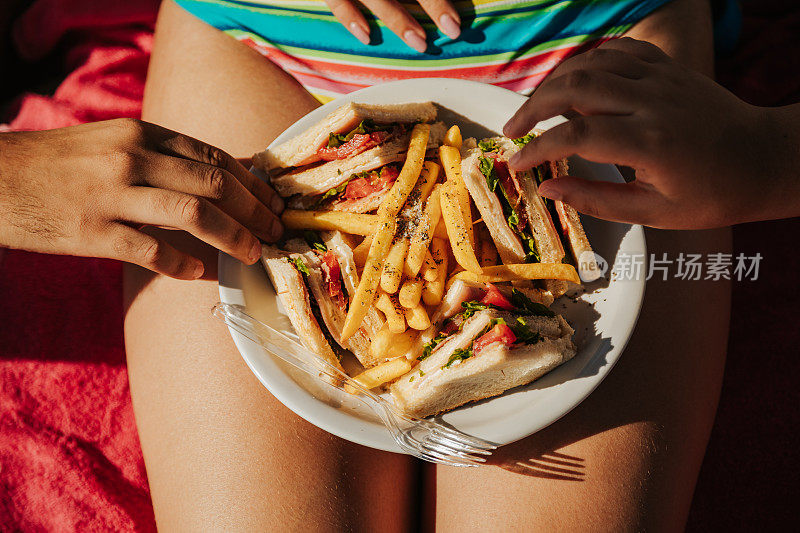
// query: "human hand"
[[703, 158], [397, 19], [89, 189]]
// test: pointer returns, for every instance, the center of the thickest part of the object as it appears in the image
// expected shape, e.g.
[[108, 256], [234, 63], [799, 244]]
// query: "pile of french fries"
[[422, 238]]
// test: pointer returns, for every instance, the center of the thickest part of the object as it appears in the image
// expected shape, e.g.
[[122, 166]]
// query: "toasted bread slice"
[[302, 149], [434, 387]]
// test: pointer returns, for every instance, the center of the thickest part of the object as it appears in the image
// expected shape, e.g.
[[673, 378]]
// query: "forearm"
[[24, 219]]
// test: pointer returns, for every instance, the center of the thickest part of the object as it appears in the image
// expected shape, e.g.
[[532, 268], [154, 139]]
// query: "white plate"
[[603, 318]]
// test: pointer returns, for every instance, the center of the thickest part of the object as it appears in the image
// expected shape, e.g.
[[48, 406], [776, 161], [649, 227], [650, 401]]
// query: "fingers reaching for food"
[[630, 104], [117, 177], [418, 262]]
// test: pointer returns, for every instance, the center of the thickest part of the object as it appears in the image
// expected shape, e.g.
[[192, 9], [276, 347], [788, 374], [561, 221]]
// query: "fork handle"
[[287, 349]]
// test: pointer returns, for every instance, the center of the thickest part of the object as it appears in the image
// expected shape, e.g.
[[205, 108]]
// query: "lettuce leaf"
[[487, 145], [486, 166], [523, 332], [429, 347], [300, 265], [522, 141], [332, 193], [313, 239], [527, 306], [458, 355], [365, 126]]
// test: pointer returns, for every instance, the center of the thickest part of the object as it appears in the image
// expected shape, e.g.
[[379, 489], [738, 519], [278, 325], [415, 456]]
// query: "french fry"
[[392, 273], [451, 160], [395, 314], [384, 233], [380, 374], [427, 180], [430, 268], [417, 318], [488, 253], [453, 137], [409, 174], [410, 292], [441, 229], [387, 345], [421, 239], [361, 251], [514, 272], [439, 255], [352, 223], [433, 291], [460, 241]]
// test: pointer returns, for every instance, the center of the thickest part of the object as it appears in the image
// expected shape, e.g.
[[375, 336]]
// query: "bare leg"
[[628, 457], [221, 452]]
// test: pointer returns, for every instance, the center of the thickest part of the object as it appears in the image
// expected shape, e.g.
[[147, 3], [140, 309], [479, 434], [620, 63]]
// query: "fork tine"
[[439, 459], [458, 444], [449, 458], [454, 448], [441, 433], [433, 444], [462, 437], [446, 459]]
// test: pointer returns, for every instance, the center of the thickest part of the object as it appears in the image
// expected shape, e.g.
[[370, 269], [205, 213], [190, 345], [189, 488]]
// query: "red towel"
[[70, 458]]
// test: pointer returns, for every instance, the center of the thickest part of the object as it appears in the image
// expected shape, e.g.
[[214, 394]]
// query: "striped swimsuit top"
[[509, 43]]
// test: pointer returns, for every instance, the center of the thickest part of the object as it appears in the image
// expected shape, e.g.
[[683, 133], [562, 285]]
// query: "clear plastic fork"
[[425, 439]]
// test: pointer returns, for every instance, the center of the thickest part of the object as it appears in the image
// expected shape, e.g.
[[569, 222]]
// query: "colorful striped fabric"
[[509, 43]]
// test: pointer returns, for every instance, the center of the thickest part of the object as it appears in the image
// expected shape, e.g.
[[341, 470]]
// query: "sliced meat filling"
[[332, 276], [504, 182], [544, 172], [361, 193], [492, 298], [357, 144], [366, 135]]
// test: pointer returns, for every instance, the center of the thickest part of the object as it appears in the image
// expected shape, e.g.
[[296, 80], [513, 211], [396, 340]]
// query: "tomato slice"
[[358, 188], [388, 176], [375, 182], [357, 144], [333, 278], [496, 298], [499, 333]]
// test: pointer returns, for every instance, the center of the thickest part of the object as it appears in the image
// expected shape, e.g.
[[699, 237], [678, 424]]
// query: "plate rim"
[[337, 421]]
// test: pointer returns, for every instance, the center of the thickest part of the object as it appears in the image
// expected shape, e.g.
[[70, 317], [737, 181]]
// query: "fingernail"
[[255, 252], [277, 204], [198, 270], [514, 161], [414, 40], [510, 130], [548, 190], [276, 231], [359, 32], [449, 26]]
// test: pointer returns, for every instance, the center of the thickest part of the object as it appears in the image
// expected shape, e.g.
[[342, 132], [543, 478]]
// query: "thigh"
[[627, 458], [221, 453]]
